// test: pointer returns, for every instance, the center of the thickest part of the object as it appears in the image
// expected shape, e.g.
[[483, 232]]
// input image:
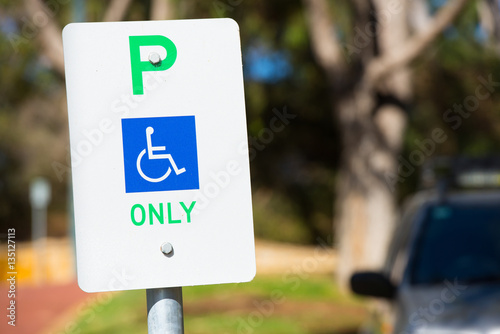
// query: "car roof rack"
[[461, 172]]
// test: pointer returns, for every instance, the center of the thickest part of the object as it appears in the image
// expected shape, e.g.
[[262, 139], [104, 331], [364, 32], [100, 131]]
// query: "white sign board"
[[159, 154]]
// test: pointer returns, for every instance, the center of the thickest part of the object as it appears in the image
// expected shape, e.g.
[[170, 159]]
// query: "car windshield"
[[458, 242]]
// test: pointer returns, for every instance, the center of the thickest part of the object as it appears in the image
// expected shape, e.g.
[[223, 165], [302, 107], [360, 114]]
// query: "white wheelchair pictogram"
[[151, 155]]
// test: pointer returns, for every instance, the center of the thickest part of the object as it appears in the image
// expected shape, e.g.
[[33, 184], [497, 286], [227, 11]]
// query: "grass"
[[285, 304]]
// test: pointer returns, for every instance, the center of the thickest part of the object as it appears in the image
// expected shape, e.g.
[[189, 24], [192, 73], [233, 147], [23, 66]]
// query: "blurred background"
[[366, 90]]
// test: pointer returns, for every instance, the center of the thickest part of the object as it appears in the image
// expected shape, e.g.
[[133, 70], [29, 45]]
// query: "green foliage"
[[276, 218], [448, 76]]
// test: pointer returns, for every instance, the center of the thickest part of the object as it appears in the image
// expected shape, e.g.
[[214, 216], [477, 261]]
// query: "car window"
[[458, 242], [396, 255]]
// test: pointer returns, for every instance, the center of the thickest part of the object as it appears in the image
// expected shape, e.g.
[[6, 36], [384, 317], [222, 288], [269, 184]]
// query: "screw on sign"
[[154, 59]]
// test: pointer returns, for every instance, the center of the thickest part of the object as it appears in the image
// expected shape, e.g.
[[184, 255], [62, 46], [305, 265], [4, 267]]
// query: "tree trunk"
[[372, 120], [365, 200]]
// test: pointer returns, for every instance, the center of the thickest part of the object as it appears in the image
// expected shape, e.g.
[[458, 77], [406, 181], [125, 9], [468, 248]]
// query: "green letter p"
[[139, 66]]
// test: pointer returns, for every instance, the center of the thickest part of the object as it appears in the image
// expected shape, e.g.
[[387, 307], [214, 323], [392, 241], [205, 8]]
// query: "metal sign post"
[[40, 195], [165, 313]]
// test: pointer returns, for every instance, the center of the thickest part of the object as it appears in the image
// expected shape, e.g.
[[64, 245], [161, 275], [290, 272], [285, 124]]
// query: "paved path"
[[37, 308]]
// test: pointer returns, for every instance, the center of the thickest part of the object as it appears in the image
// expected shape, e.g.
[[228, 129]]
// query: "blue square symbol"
[[160, 154]]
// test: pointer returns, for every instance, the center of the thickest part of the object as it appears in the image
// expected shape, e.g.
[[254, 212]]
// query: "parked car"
[[442, 273]]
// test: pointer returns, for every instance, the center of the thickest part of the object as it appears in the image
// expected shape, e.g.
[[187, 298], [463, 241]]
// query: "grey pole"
[[40, 195], [39, 242], [165, 315]]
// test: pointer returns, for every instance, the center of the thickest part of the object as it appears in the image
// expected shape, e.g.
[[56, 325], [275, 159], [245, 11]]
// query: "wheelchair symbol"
[[151, 155]]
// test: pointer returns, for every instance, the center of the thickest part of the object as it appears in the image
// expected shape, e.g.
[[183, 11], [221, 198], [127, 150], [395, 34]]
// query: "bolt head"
[[154, 59], [166, 248]]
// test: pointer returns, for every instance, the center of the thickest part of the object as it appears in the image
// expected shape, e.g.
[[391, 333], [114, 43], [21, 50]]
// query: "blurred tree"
[[371, 76], [308, 181], [342, 68]]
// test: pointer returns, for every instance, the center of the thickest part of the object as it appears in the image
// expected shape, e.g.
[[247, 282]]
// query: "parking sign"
[[161, 178], [153, 167]]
